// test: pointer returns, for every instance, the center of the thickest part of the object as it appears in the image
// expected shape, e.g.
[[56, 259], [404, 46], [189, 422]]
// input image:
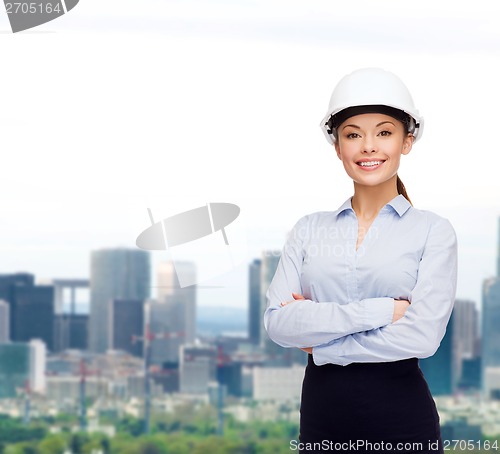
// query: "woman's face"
[[373, 138]]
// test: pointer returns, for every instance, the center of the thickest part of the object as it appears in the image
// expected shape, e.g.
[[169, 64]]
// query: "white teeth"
[[370, 164]]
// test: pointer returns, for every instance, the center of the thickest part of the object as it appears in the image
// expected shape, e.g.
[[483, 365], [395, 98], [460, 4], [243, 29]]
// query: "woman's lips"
[[370, 167]]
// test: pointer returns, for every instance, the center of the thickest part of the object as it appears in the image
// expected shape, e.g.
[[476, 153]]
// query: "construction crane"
[[27, 403], [222, 360], [147, 339], [84, 372]]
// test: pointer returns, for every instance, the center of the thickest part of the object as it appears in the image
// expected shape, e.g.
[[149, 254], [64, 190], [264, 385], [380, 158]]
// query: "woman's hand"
[[297, 296], [400, 307]]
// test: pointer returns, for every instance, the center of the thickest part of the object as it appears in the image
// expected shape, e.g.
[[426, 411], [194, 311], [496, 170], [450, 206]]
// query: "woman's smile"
[[370, 165]]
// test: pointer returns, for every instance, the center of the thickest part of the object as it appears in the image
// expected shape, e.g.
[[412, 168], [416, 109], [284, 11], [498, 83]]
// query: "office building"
[[169, 291], [470, 378], [8, 285], [278, 383], [127, 316], [498, 250], [269, 263], [32, 315], [70, 325], [490, 354], [4, 322], [164, 323], [255, 314], [439, 369], [197, 368], [72, 332], [230, 374], [466, 327], [172, 317], [466, 337], [492, 383], [114, 274], [68, 293], [22, 368]]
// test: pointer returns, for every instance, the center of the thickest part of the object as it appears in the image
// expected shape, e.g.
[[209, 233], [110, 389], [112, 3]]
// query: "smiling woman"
[[367, 304]]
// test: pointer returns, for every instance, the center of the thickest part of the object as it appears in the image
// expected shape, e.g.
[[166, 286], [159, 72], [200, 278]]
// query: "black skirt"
[[368, 407]]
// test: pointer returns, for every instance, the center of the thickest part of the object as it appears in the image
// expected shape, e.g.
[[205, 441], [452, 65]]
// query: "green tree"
[[77, 441], [25, 447], [53, 444]]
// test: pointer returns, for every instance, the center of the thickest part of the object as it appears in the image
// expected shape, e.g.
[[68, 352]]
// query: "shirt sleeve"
[[420, 331], [306, 323]]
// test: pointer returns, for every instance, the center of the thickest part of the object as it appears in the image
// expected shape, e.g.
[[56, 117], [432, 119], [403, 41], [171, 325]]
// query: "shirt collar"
[[399, 203]]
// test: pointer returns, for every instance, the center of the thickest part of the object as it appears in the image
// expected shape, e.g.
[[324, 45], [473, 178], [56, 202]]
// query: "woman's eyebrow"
[[379, 124], [352, 126]]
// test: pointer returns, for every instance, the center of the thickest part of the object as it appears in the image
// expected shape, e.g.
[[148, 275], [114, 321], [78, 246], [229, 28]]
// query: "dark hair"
[[402, 189], [409, 126]]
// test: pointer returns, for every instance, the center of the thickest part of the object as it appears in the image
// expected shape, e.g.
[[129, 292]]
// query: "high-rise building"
[[490, 347], [71, 332], [439, 369], [255, 314], [164, 322], [197, 368], [78, 331], [466, 337], [466, 327], [269, 264], [184, 299], [22, 366], [498, 250], [65, 294], [4, 322], [114, 274], [172, 318], [8, 284], [127, 316], [33, 314], [71, 328]]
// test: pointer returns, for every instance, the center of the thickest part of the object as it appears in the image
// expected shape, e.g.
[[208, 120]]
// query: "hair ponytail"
[[402, 189]]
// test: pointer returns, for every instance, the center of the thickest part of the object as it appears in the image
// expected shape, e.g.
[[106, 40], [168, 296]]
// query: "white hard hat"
[[373, 87]]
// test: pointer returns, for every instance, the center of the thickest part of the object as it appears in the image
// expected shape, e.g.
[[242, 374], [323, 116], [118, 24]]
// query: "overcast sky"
[[119, 106]]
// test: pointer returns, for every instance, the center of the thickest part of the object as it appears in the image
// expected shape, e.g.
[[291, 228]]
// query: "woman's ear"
[[408, 144], [337, 149]]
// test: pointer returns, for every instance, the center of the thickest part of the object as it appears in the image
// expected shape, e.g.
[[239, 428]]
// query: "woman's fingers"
[[296, 296]]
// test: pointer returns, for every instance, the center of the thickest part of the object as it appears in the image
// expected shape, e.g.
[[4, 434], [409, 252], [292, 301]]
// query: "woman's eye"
[[385, 133], [352, 135]]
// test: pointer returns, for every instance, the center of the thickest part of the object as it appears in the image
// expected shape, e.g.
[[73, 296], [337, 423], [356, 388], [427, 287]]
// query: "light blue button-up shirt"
[[346, 317]]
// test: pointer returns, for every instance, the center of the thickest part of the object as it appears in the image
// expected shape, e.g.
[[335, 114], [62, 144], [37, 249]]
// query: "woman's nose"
[[369, 145]]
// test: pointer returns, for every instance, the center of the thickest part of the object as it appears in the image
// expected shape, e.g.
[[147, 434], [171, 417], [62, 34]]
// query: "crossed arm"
[[373, 329], [400, 307]]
